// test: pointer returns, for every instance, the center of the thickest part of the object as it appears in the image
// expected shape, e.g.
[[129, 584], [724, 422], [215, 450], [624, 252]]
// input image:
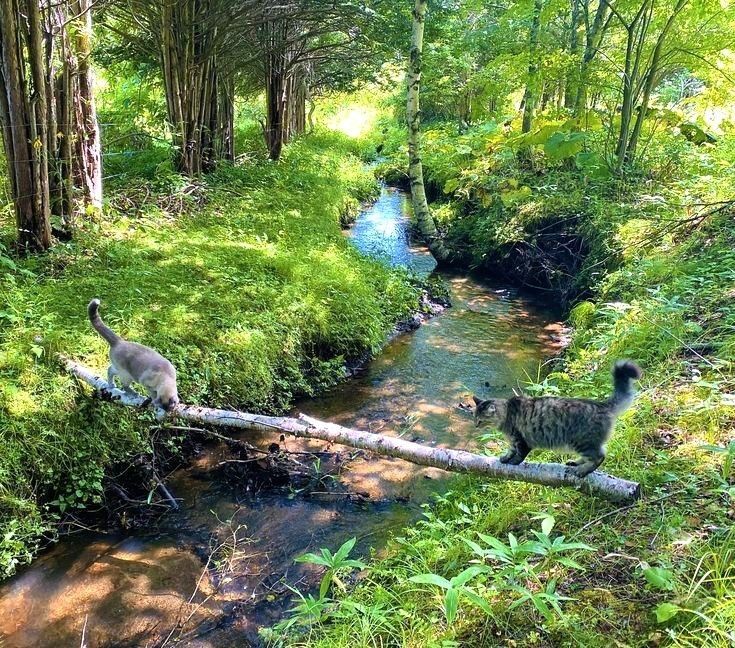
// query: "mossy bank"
[[244, 281]]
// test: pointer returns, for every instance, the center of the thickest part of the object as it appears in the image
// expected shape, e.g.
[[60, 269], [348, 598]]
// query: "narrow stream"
[[167, 587]]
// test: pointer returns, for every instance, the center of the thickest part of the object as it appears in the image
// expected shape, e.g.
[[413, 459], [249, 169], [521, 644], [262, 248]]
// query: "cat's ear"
[[477, 400]]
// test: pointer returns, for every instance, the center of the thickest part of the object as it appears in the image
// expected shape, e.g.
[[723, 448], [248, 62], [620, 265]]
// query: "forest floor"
[[508, 564], [244, 281]]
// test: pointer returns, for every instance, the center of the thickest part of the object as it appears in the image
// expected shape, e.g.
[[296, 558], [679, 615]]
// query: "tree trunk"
[[424, 221], [50, 127], [572, 76], [530, 96], [88, 150], [594, 33], [635, 39], [199, 99], [24, 118], [649, 82], [597, 483], [275, 36]]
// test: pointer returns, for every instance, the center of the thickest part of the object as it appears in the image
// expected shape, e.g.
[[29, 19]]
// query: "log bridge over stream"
[[598, 483]]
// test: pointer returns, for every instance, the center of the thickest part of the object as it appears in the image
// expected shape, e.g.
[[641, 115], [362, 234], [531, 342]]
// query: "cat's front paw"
[[582, 471], [507, 457]]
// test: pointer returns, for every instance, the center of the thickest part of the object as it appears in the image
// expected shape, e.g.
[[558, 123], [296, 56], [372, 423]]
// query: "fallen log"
[[597, 483]]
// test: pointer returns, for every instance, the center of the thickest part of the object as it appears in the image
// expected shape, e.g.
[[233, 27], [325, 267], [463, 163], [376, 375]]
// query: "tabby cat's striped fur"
[[577, 424]]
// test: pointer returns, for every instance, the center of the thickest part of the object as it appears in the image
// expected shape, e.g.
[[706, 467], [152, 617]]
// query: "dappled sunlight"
[[123, 589]]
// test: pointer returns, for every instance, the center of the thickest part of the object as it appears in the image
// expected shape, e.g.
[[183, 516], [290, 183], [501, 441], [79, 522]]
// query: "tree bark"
[[594, 33], [199, 96], [598, 483], [24, 119], [651, 76], [49, 120], [424, 220], [572, 77], [530, 96]]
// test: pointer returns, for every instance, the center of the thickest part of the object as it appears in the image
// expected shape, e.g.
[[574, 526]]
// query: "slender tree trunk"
[[24, 119], [89, 149], [424, 221], [275, 66], [594, 34], [530, 96], [50, 127], [636, 34], [572, 77], [199, 99], [649, 82]]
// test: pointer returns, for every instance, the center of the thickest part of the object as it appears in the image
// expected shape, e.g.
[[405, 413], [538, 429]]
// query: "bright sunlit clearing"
[[355, 121]]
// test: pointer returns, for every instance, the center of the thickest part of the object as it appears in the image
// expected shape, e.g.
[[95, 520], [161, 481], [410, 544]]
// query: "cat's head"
[[489, 412]]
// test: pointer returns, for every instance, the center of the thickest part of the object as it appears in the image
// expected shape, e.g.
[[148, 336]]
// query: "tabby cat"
[[577, 424]]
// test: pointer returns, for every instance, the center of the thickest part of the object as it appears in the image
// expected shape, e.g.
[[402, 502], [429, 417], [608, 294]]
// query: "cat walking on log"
[[555, 423]]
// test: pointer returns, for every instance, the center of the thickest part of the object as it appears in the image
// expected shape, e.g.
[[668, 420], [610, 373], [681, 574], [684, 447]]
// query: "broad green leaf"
[[451, 599], [312, 558], [431, 579], [564, 145], [451, 185], [344, 550], [659, 578], [666, 611], [477, 600], [548, 524], [467, 575]]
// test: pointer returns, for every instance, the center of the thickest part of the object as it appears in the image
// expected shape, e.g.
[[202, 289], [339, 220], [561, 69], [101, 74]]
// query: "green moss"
[[252, 291]]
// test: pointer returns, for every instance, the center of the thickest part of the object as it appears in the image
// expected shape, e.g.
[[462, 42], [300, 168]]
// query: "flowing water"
[[209, 574]]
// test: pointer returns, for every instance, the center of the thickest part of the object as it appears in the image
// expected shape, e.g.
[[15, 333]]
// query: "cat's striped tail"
[[624, 373]]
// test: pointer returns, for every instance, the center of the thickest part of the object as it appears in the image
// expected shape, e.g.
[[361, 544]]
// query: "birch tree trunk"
[[597, 483], [424, 220]]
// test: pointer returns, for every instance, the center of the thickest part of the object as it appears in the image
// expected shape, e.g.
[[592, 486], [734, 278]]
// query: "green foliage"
[[334, 563], [657, 276], [311, 610], [245, 282]]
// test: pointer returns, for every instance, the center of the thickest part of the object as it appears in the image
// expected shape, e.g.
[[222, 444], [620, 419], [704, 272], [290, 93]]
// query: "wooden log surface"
[[598, 483]]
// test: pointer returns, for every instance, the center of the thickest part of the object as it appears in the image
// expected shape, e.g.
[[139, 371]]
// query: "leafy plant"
[[335, 563], [531, 559], [454, 588]]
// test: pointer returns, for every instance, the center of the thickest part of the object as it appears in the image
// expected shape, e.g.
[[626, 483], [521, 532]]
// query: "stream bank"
[[215, 571]]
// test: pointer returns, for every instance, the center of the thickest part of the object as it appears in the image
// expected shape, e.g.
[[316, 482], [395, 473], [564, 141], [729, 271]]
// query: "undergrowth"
[[244, 280], [655, 263]]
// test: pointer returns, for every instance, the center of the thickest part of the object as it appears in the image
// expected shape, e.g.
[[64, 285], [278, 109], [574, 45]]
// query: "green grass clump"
[[245, 282]]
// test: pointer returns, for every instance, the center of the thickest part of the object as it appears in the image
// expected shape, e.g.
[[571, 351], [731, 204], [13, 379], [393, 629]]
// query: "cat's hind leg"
[[590, 461], [111, 373]]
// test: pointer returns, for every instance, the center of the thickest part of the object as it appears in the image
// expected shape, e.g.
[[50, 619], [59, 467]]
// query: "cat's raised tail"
[[624, 373]]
